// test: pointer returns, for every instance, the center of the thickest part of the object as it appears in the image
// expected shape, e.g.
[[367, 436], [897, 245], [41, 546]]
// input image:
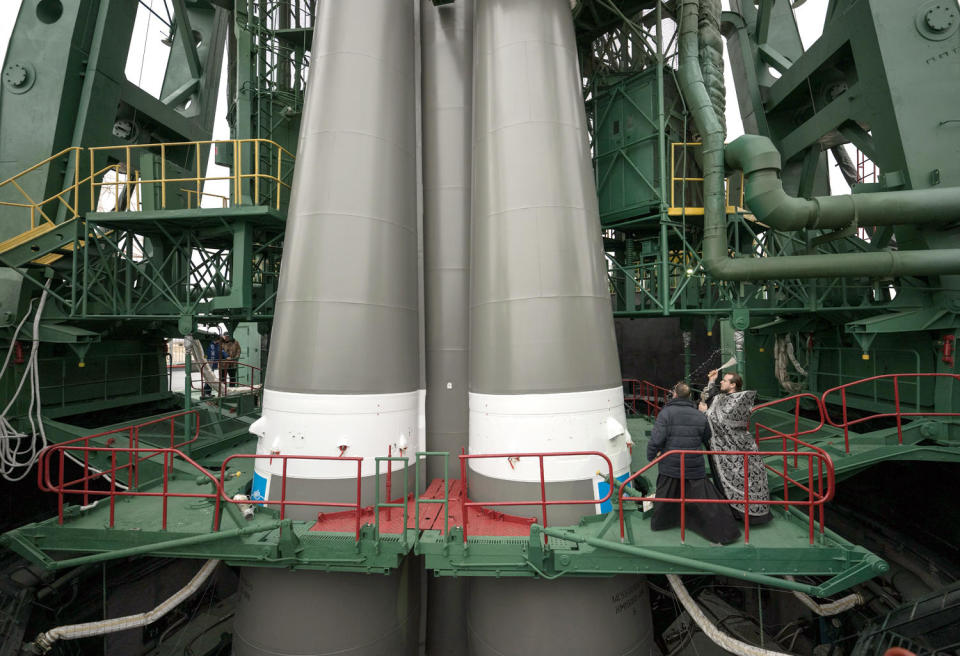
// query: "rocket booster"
[[544, 370], [343, 371], [343, 368]]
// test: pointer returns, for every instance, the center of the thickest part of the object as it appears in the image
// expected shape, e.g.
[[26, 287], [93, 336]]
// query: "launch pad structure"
[[448, 185]]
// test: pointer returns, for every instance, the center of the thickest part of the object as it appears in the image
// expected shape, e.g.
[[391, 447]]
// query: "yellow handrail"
[[237, 176], [695, 210], [123, 156]]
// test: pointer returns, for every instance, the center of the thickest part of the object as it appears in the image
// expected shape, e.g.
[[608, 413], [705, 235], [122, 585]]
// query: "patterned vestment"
[[728, 415]]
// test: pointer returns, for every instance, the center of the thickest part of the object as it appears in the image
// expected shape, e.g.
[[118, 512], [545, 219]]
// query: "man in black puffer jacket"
[[680, 425]]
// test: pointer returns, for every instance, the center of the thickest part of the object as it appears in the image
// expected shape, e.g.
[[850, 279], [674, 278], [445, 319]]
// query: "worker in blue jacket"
[[214, 356], [680, 425]]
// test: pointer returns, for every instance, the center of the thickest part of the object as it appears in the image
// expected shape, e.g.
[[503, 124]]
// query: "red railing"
[[786, 439], [775, 434], [653, 397], [816, 496], [133, 442], [59, 452], [62, 487], [845, 423], [283, 502], [543, 503]]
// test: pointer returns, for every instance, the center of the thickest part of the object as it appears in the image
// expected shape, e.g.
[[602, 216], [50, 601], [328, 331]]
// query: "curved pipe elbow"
[[763, 194], [763, 191]]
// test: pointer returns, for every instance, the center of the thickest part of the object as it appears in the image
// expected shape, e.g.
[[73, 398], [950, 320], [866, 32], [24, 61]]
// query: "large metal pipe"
[[759, 160], [715, 250], [343, 372], [446, 47], [544, 372]]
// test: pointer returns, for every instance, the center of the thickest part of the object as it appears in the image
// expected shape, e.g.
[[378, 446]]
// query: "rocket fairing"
[[544, 369], [343, 371]]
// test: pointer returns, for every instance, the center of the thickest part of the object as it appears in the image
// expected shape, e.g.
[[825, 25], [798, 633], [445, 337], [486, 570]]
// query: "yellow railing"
[[36, 207], [128, 176], [696, 210], [224, 200], [280, 160]]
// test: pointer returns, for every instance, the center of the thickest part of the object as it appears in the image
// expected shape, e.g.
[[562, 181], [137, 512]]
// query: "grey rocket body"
[[510, 222], [446, 42], [343, 371], [544, 370]]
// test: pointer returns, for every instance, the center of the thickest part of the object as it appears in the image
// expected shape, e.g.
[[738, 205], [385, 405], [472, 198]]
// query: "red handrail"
[[846, 423], [283, 502], [133, 442], [543, 503], [219, 495], [815, 498], [796, 398], [652, 396], [64, 487]]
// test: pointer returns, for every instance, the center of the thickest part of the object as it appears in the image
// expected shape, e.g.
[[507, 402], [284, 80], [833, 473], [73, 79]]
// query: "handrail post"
[[896, 400], [60, 491], [376, 497], [543, 497], [219, 493], [163, 176], [810, 494], [113, 485], [846, 428], [133, 462], [389, 482], [446, 498], [683, 498], [786, 480], [196, 150], [86, 474], [166, 457], [746, 499], [463, 495], [359, 497], [93, 183], [820, 490], [256, 171], [620, 505], [283, 489]]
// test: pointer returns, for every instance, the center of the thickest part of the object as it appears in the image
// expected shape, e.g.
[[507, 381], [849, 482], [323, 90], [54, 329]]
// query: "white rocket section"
[[548, 423], [350, 425]]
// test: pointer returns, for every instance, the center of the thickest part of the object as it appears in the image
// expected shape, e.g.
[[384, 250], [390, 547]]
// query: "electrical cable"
[[45, 641], [18, 450]]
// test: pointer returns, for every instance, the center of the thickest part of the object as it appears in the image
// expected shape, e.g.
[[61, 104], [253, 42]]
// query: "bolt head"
[[940, 18], [15, 75]]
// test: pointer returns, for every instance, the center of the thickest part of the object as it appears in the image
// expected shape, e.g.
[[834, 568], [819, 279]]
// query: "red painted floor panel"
[[480, 521]]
